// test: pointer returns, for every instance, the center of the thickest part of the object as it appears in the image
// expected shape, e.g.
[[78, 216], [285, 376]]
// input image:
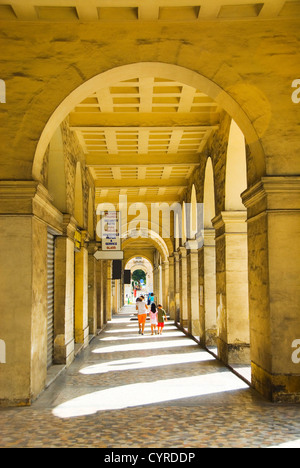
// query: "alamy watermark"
[[296, 353], [296, 93], [2, 92], [177, 221]]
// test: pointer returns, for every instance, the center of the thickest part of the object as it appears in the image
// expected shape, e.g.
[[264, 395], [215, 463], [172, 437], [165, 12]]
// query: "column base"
[[7, 403], [63, 352], [184, 323], [82, 336], [195, 328], [211, 337], [233, 353], [278, 388]]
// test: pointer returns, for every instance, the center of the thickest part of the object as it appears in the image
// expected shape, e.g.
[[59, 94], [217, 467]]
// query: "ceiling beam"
[[158, 159], [149, 183], [98, 121]]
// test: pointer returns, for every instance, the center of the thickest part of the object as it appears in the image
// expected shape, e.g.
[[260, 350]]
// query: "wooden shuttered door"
[[50, 299]]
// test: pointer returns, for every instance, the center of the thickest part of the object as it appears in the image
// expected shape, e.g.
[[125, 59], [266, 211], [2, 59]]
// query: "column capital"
[[176, 256], [230, 222], [171, 260], [209, 236], [69, 226], [92, 247], [273, 194], [29, 197], [182, 252]]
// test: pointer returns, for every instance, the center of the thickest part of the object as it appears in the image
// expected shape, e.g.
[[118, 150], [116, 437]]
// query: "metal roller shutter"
[[50, 299]]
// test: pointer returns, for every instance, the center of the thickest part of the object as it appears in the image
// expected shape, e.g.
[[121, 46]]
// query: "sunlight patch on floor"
[[140, 394], [138, 337], [142, 346], [145, 363]]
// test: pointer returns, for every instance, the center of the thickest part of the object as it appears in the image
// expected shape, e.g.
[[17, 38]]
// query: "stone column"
[[100, 294], [165, 285], [172, 287], [177, 287], [81, 296], [64, 294], [25, 214], [92, 289], [193, 291], [210, 302], [274, 271], [156, 283], [183, 288], [232, 287], [108, 280]]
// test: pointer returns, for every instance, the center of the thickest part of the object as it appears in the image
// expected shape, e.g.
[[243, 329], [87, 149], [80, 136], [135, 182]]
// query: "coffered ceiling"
[[143, 137]]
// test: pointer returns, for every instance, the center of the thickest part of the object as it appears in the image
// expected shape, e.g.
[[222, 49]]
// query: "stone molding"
[[233, 222], [29, 198], [273, 194]]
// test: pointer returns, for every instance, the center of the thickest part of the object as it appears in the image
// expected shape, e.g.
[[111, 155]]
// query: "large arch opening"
[[144, 131]]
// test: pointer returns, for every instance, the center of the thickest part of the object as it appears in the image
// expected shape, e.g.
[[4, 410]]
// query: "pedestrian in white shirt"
[[142, 308]]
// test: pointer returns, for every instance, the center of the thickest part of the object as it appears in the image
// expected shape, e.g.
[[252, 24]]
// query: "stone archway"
[[167, 71]]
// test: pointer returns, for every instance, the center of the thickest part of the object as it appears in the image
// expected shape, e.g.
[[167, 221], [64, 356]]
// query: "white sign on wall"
[[110, 231]]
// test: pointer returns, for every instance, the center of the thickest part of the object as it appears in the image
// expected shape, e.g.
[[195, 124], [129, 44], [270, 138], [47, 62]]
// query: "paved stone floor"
[[134, 391]]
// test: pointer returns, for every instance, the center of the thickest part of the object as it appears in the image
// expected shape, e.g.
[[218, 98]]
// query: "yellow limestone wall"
[[43, 65], [254, 65]]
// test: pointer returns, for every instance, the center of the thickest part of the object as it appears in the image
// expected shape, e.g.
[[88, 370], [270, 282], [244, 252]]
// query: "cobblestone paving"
[[134, 391]]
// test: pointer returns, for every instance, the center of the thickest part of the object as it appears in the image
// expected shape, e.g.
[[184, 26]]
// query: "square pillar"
[[184, 318], [210, 293], [64, 295], [81, 297], [165, 285], [92, 289], [232, 287], [274, 289], [108, 296], [172, 287], [25, 214], [177, 286], [193, 292], [100, 294]]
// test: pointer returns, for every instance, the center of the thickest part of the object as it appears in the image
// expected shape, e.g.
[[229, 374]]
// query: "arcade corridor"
[[181, 397]]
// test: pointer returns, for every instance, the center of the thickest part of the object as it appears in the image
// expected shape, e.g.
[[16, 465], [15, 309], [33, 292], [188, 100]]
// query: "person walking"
[[161, 318], [151, 297], [142, 308], [153, 318]]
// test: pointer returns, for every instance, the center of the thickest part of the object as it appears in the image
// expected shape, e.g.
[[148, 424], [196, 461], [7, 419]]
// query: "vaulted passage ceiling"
[[143, 137]]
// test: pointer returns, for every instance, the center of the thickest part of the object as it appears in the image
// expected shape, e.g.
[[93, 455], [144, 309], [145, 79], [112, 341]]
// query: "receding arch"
[[153, 239], [236, 169], [184, 236], [91, 215], [209, 195], [193, 214], [131, 257], [150, 69], [57, 172], [78, 196]]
